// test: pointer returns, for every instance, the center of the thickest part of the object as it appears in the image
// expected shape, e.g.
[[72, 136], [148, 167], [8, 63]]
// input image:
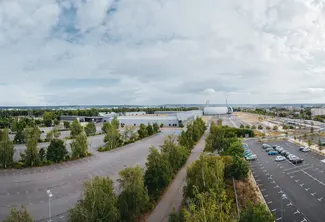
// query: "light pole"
[[50, 196], [283, 196]]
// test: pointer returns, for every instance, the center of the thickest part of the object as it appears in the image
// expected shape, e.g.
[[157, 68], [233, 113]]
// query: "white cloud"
[[172, 51]]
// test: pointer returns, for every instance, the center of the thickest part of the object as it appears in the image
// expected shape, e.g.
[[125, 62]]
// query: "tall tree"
[[54, 133], [6, 149], [90, 129], [134, 199], [219, 122], [79, 146], [115, 123], [32, 136], [112, 138], [158, 173], [155, 127], [75, 128], [205, 174], [99, 202], [19, 215], [175, 154], [143, 131], [239, 168], [150, 130], [56, 151], [66, 125], [235, 148], [48, 118], [106, 126]]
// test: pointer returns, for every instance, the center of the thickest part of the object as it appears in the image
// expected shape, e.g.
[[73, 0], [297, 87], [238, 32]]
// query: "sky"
[[73, 52]]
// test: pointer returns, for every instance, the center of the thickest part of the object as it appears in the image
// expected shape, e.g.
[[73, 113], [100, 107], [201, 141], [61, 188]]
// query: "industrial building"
[[172, 119], [318, 111]]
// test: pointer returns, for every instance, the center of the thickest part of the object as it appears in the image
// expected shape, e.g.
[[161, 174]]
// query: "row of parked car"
[[248, 154], [275, 150]]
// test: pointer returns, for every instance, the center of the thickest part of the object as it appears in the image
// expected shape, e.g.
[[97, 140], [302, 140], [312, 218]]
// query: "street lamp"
[[283, 196], [50, 196]]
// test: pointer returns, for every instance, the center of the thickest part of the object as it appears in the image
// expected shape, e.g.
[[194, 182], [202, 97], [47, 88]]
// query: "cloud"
[[153, 51]]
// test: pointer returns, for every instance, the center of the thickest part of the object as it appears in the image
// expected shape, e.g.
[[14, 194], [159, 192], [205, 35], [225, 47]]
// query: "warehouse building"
[[134, 113], [318, 111], [212, 111]]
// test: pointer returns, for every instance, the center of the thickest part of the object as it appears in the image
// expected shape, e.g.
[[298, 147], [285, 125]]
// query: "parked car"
[[251, 157], [274, 146], [301, 148], [273, 152], [268, 149], [296, 160], [305, 150], [285, 153], [290, 156], [279, 158], [264, 146]]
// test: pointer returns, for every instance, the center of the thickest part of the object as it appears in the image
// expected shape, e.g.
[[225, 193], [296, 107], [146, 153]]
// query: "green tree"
[[42, 154], [242, 126], [253, 127], [260, 127], [32, 136], [235, 148], [312, 130], [285, 127], [181, 125], [75, 128], [161, 125], [115, 123], [99, 202], [19, 137], [209, 207], [275, 127], [247, 127], [205, 174], [155, 127], [239, 168], [176, 216], [6, 149], [175, 154], [258, 213], [112, 138], [79, 146], [66, 125], [106, 126], [56, 151], [90, 129], [150, 130], [268, 128], [54, 133], [134, 199], [19, 215], [219, 122], [158, 174], [186, 140], [56, 122], [319, 144], [48, 118], [143, 131]]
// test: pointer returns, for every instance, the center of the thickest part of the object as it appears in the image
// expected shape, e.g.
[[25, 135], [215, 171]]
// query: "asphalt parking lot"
[[302, 184]]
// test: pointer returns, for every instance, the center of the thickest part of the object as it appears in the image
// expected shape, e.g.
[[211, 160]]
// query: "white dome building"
[[210, 111]]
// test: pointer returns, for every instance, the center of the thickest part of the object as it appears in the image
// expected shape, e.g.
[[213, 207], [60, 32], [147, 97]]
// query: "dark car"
[[282, 151], [285, 153], [301, 148], [296, 160], [274, 146]]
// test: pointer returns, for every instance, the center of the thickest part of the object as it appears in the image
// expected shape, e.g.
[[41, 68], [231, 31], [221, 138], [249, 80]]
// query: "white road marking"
[[290, 204], [296, 181], [320, 199], [297, 212], [269, 202], [304, 220], [313, 194], [266, 195], [273, 210], [263, 190], [301, 184], [279, 218], [61, 217], [307, 189]]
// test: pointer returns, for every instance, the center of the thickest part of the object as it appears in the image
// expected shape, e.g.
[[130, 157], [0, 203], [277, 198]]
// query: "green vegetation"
[[134, 200], [99, 202], [75, 128], [275, 127], [53, 134], [66, 124], [143, 131], [6, 149], [19, 215], [30, 155], [79, 146], [48, 118], [257, 213], [90, 129], [56, 152]]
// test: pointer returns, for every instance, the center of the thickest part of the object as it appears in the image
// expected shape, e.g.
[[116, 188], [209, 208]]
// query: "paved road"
[[303, 184], [28, 186], [174, 195]]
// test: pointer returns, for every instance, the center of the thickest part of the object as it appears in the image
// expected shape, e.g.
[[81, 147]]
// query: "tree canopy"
[[90, 129], [6, 149], [79, 146], [257, 213], [75, 128], [19, 215], [56, 151]]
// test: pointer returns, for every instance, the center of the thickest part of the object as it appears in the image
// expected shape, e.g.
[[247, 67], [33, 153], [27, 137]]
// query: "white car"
[[279, 158]]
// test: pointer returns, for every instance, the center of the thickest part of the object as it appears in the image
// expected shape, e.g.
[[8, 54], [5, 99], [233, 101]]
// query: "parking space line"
[[299, 170]]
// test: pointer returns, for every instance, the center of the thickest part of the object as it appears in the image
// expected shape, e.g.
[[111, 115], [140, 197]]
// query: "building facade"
[[318, 111]]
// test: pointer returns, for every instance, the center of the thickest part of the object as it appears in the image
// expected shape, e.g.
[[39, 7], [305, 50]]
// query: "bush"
[[257, 213], [239, 168]]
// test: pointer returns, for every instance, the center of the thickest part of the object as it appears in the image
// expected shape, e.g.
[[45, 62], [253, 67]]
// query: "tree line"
[[209, 182], [140, 188]]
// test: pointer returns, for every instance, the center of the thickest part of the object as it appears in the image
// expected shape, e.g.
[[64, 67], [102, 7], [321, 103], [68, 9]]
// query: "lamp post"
[[283, 196], [50, 196]]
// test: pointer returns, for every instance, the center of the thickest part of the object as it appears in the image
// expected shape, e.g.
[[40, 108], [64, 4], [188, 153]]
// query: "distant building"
[[212, 111], [135, 113], [318, 111]]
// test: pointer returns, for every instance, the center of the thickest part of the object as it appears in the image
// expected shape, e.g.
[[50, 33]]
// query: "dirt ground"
[[249, 117]]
